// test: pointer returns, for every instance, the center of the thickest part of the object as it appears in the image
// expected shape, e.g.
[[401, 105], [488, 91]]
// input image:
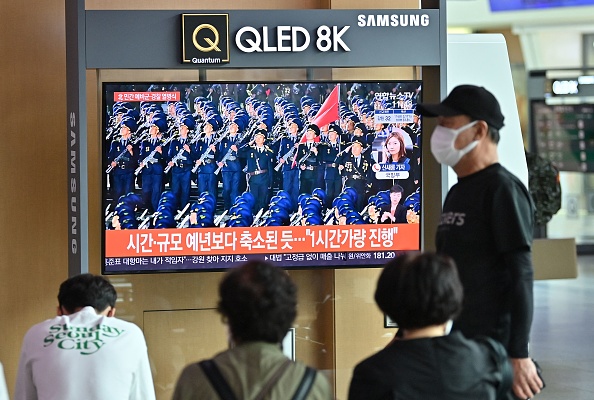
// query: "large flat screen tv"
[[202, 176]]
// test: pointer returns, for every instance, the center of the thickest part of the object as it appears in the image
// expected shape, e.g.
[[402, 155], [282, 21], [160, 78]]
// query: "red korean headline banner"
[[284, 239]]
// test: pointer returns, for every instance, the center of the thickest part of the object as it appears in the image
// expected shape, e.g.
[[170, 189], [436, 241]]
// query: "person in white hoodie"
[[84, 352]]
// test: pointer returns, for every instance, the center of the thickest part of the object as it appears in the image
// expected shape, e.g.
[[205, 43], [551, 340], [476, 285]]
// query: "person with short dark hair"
[[486, 226], [395, 212], [84, 352], [259, 303], [422, 294]]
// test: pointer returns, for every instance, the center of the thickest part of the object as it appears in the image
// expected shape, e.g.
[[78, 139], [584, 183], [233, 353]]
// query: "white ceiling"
[[476, 14]]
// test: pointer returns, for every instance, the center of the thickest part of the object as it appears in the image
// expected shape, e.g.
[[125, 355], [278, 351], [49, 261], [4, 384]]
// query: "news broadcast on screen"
[[203, 176]]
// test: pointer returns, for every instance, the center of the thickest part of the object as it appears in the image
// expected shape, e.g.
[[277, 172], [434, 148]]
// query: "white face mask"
[[442, 144]]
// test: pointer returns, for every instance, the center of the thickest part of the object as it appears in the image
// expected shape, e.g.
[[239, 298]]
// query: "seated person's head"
[[419, 290], [86, 290], [259, 302]]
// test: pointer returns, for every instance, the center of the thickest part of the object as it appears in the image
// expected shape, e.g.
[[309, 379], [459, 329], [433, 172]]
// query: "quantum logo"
[[205, 38]]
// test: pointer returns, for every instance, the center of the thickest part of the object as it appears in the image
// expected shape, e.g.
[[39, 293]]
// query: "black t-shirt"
[[446, 368], [488, 216]]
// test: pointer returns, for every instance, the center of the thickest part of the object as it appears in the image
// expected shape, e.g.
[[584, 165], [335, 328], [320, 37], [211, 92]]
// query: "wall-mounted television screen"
[[202, 176]]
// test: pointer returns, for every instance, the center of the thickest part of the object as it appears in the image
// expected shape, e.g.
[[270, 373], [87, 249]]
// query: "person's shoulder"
[[43, 327], [192, 369], [386, 356], [504, 180], [320, 389], [123, 324], [465, 348], [504, 173], [191, 383]]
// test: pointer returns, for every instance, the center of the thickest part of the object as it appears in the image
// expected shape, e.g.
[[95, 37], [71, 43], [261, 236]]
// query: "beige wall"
[[34, 219], [33, 237]]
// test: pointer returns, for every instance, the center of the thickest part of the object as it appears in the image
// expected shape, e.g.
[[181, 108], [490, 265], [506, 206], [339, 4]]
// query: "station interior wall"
[[34, 227], [34, 230]]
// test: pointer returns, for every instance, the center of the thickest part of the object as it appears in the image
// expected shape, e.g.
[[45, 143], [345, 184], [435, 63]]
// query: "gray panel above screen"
[[152, 39]]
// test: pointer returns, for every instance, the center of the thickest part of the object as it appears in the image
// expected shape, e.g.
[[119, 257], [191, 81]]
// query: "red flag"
[[329, 111]]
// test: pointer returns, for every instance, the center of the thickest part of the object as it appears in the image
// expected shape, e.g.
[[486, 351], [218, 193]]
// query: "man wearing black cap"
[[486, 227]]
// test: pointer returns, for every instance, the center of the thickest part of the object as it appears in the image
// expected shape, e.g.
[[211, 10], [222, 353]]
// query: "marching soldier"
[[328, 153], [181, 159], [286, 155], [348, 122], [360, 133], [229, 163], [356, 171], [205, 156], [259, 168], [151, 166], [308, 160], [122, 158]]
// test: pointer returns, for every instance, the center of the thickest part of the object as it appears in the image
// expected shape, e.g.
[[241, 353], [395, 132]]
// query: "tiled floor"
[[563, 334]]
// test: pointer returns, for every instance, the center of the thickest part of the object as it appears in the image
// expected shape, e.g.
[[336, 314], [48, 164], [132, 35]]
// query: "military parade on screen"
[[248, 155]]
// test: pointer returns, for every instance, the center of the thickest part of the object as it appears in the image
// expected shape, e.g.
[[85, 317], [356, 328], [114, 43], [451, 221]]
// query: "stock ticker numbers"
[[565, 135]]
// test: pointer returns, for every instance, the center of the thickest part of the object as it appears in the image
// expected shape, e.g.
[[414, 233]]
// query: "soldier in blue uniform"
[[356, 172], [259, 168], [151, 165], [348, 121], [229, 163], [181, 159], [123, 157], [286, 155], [328, 153], [308, 160], [360, 133], [205, 156]]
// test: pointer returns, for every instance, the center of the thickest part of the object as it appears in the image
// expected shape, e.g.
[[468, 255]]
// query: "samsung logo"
[[392, 20], [74, 213]]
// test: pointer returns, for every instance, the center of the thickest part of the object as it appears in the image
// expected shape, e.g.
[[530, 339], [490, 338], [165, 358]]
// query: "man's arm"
[[519, 263], [142, 385], [526, 381], [25, 388]]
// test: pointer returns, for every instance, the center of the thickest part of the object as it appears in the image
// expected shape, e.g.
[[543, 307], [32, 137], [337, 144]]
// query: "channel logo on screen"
[[205, 38]]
